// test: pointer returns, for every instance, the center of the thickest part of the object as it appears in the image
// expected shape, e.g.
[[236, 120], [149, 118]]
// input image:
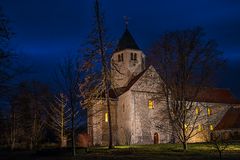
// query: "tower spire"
[[126, 19]]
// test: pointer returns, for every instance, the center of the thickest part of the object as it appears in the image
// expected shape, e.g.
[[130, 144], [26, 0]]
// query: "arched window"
[[119, 58], [197, 110], [150, 104], [200, 127], [122, 57], [135, 56], [211, 127], [209, 111], [106, 117], [131, 56]]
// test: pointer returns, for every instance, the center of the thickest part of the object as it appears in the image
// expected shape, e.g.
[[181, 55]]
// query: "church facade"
[[136, 114]]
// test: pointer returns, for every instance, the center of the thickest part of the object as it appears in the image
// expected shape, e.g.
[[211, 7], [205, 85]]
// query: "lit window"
[[197, 110], [200, 128], [106, 117], [211, 127], [185, 126], [150, 104], [209, 111]]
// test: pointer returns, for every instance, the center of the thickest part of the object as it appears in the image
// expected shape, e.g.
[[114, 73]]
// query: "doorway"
[[156, 138]]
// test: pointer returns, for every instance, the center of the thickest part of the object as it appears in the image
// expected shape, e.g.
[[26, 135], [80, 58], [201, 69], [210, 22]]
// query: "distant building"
[[134, 110]]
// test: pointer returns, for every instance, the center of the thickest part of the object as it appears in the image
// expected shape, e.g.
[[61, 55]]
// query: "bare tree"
[[186, 64], [59, 116], [68, 80], [27, 117], [97, 86]]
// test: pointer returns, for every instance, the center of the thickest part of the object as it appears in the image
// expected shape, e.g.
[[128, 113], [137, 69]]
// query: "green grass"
[[133, 152]]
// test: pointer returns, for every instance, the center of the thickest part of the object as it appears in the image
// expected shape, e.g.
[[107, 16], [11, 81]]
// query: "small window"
[[185, 127], [209, 111], [123, 108], [131, 56], [135, 56], [122, 57], [150, 104], [119, 58], [197, 110], [106, 117], [211, 127], [200, 127]]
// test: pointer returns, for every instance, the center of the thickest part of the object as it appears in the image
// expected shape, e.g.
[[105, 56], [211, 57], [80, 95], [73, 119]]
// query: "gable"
[[149, 81]]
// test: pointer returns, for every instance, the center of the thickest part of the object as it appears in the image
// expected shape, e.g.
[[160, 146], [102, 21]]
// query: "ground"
[[136, 152]]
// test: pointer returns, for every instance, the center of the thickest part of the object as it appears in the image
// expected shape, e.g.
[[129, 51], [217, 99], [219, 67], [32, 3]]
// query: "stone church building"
[[134, 110]]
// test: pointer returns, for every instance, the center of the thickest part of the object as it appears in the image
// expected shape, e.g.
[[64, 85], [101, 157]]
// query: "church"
[[134, 112]]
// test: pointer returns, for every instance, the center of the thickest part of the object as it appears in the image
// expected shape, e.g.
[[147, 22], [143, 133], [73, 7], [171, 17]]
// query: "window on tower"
[[119, 58], [131, 56], [135, 56], [122, 57]]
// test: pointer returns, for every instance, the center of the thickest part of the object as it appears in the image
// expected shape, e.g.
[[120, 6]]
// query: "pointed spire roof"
[[126, 42]]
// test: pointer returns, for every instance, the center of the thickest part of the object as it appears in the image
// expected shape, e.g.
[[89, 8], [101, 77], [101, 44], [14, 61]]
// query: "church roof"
[[230, 120], [126, 42], [216, 95]]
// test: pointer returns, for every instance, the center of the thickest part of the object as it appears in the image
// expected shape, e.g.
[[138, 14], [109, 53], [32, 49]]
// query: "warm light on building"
[[185, 126], [106, 117], [200, 128], [211, 127], [197, 110], [150, 104], [209, 111]]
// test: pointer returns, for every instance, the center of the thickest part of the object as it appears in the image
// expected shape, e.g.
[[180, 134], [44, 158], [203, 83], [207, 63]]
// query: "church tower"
[[127, 61]]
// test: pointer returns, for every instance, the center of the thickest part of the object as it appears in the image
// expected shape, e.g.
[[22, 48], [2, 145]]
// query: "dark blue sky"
[[46, 30]]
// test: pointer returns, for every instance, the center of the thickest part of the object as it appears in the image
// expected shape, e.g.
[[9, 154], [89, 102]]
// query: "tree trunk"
[[184, 146], [220, 155], [110, 145], [73, 130]]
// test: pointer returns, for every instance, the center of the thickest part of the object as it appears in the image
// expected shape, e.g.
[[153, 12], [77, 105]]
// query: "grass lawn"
[[134, 152]]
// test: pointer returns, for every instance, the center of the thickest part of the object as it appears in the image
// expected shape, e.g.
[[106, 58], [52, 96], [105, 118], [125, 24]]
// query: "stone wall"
[[97, 127], [123, 71]]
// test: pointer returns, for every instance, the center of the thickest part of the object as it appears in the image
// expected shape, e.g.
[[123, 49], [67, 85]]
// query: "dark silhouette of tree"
[[97, 82], [27, 115], [186, 63]]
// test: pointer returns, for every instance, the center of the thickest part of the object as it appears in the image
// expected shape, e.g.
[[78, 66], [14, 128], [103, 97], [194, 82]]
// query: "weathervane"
[[126, 19]]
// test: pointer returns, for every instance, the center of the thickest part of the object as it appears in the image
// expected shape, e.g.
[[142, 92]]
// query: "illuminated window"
[[197, 110], [200, 128], [150, 104], [211, 127], [209, 111], [185, 126], [106, 117]]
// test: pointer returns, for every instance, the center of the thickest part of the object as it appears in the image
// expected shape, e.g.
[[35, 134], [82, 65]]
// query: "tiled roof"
[[126, 42], [114, 93], [216, 95], [231, 120]]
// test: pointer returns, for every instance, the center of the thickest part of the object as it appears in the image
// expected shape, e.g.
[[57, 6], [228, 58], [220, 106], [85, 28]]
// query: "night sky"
[[48, 30]]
